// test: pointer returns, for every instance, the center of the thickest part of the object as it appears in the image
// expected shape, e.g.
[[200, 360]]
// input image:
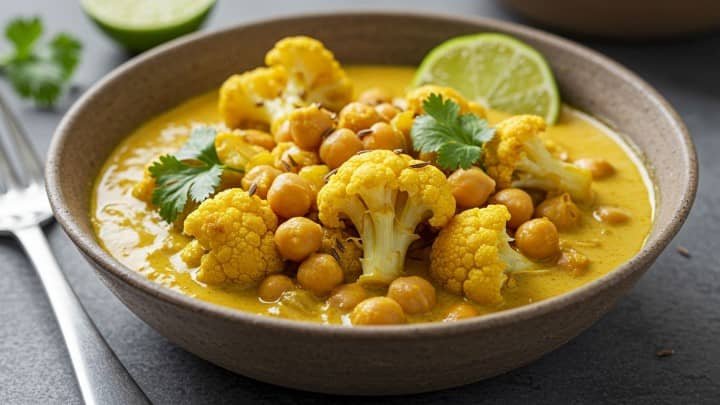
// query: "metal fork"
[[24, 208]]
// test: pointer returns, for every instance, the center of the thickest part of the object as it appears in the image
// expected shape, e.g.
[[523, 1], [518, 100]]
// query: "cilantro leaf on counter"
[[39, 71], [191, 174], [457, 139]]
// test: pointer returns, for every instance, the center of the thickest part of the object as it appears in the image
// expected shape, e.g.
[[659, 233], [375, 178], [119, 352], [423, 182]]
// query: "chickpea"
[[518, 202], [374, 96], [297, 238], [283, 133], [259, 138], [387, 111], [273, 287], [377, 311], [347, 296], [611, 215], [262, 176], [290, 195], [339, 147], [291, 158], [414, 294], [561, 211], [308, 125], [538, 238], [599, 168], [358, 116], [383, 136], [471, 187], [460, 311], [573, 261], [320, 273]]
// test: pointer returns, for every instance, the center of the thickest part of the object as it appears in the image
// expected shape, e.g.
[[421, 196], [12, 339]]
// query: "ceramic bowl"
[[368, 360], [623, 19]]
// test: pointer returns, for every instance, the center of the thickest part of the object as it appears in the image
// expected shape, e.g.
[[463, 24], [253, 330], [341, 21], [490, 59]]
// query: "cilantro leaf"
[[200, 146], [191, 174], [457, 139], [39, 72], [23, 34]]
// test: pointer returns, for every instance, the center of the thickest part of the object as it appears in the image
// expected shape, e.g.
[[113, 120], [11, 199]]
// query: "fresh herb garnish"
[[193, 173], [39, 72], [457, 139]]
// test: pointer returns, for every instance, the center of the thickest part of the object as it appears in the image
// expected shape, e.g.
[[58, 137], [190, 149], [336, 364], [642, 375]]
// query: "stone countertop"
[[676, 305]]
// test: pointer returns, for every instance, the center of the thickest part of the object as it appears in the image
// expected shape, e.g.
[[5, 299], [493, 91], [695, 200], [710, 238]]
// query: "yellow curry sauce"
[[137, 236]]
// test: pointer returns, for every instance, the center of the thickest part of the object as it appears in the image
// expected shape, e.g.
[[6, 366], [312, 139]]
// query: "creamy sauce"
[[135, 235]]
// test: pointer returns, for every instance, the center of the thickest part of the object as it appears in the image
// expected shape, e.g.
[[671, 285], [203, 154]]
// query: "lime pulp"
[[495, 70]]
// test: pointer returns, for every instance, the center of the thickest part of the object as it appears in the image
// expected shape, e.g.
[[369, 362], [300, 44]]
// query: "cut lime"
[[141, 24], [495, 70]]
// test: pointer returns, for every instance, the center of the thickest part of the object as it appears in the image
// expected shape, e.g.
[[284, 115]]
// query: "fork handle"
[[100, 375]]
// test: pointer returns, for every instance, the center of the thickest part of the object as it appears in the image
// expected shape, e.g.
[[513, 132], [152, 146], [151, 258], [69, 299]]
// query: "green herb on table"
[[39, 71], [457, 139], [193, 173]]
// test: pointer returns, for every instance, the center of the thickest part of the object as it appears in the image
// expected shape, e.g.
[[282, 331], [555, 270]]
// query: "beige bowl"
[[623, 19], [369, 360]]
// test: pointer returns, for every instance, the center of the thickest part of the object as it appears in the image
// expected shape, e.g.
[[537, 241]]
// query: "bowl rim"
[[103, 261]]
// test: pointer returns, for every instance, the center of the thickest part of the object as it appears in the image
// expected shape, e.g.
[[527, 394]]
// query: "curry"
[[316, 264]]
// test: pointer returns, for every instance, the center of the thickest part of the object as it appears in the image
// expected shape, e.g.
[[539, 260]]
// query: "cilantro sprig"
[[191, 174], [39, 71], [457, 139]]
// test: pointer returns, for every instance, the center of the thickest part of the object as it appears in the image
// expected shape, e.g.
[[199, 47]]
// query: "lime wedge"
[[495, 70], [141, 24]]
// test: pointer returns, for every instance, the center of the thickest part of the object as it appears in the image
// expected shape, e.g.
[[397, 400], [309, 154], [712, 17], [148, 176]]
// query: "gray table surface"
[[676, 305]]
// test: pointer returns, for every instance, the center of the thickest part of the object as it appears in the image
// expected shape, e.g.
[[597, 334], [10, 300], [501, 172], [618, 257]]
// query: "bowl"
[[622, 19], [368, 360]]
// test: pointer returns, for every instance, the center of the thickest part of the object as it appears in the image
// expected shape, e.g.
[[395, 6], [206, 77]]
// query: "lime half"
[[141, 24], [495, 70]]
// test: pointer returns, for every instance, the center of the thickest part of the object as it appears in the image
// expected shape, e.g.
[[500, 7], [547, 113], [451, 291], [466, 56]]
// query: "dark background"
[[676, 305]]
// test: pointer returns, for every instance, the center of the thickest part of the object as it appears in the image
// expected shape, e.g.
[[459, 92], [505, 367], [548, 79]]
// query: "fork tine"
[[8, 178], [27, 156]]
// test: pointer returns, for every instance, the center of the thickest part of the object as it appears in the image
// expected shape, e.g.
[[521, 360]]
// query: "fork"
[[24, 208]]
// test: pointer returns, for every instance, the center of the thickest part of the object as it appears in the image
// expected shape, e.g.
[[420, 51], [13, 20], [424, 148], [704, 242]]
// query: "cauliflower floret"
[[192, 253], [254, 97], [471, 255], [385, 195], [236, 232], [143, 189], [234, 151], [417, 97], [517, 157], [313, 73], [300, 72]]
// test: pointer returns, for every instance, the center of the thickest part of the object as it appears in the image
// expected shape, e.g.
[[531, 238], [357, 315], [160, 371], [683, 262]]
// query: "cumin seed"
[[335, 254], [259, 104], [339, 245], [684, 252], [664, 353], [252, 190], [364, 132], [360, 152], [326, 177], [286, 166], [419, 165], [292, 161]]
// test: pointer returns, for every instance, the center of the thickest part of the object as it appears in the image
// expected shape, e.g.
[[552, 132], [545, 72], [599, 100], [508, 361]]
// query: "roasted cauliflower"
[[517, 157], [235, 231], [299, 72], [471, 255], [385, 195]]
